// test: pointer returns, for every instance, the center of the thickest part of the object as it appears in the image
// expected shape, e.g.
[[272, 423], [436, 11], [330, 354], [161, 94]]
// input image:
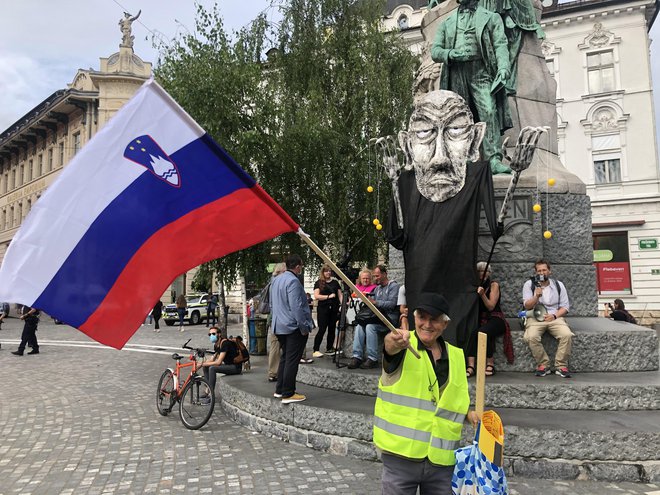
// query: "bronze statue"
[[519, 17], [472, 45], [125, 27]]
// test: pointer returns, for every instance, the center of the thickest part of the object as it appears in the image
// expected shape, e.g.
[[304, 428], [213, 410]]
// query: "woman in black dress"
[[491, 321], [328, 294]]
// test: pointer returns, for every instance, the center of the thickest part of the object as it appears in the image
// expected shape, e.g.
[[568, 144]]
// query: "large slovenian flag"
[[148, 198]]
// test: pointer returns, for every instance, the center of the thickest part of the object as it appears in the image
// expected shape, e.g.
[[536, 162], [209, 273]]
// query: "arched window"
[[403, 21]]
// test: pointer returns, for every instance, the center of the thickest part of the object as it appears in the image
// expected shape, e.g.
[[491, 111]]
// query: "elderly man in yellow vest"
[[421, 404]]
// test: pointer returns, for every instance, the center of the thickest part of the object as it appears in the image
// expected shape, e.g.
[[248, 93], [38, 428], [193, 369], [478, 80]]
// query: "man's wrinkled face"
[[427, 328], [441, 139]]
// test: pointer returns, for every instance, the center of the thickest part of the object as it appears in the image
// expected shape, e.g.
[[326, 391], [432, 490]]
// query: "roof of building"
[[577, 6]]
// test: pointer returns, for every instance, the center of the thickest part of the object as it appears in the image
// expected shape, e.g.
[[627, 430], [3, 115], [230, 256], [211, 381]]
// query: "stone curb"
[[539, 393]]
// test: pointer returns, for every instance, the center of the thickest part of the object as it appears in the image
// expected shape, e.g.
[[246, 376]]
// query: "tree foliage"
[[300, 120]]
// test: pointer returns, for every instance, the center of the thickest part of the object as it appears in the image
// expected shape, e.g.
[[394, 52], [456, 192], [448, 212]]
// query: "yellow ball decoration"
[[376, 221], [370, 189], [547, 234], [379, 227], [551, 182], [536, 208]]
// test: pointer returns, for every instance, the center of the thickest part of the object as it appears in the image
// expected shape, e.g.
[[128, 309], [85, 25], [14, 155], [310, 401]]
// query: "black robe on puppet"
[[439, 241]]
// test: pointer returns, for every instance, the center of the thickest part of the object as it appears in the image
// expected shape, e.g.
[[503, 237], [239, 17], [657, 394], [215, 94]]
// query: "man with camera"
[[551, 293]]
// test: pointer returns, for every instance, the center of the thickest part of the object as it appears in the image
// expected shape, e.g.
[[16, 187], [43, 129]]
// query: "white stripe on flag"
[[86, 186]]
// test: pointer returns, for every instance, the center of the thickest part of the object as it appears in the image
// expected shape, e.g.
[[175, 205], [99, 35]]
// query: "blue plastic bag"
[[474, 474]]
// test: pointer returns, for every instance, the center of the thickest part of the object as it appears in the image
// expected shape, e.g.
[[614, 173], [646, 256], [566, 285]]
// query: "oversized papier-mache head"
[[442, 138]]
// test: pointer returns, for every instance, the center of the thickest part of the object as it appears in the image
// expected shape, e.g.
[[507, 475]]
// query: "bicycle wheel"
[[197, 403], [166, 393]]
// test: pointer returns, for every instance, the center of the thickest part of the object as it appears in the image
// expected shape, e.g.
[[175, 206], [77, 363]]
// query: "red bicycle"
[[195, 396]]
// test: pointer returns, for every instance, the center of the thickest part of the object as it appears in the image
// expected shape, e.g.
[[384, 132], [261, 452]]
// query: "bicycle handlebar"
[[199, 352]]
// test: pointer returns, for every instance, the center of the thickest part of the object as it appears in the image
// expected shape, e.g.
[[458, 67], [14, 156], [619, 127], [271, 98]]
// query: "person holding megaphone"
[[549, 293]]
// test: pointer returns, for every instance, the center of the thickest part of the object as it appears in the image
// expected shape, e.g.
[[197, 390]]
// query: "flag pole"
[[355, 290]]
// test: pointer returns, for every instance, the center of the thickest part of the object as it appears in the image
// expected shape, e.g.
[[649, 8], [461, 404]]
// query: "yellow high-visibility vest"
[[413, 418]]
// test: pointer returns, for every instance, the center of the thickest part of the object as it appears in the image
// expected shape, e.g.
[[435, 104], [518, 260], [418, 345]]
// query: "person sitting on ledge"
[[551, 293], [618, 312], [223, 359], [418, 422], [366, 332]]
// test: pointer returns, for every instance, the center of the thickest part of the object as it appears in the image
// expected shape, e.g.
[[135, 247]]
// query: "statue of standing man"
[[472, 46], [126, 30]]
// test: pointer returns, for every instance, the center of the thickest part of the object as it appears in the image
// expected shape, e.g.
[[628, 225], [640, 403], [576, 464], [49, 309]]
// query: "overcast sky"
[[44, 42]]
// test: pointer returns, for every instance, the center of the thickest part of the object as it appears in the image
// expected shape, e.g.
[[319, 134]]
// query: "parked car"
[[195, 312]]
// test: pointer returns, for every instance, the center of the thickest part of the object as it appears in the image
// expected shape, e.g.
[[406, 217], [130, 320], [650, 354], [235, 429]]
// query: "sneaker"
[[369, 364], [181, 330], [293, 398], [272, 378], [330, 352], [317, 354], [33, 352], [563, 372], [205, 401], [542, 371], [306, 361], [277, 396], [355, 363]]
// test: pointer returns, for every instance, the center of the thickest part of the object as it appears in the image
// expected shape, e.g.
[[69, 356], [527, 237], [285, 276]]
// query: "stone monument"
[[565, 206]]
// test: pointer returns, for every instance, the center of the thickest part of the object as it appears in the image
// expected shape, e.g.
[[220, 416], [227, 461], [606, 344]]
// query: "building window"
[[13, 179], [4, 220], [11, 217], [600, 70], [40, 166], [403, 22], [5, 183], [28, 206], [607, 171], [21, 174], [613, 272], [30, 171], [61, 163], [76, 142], [49, 164], [20, 214]]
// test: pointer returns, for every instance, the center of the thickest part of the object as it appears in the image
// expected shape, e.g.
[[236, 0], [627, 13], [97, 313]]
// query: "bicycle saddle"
[[177, 356]]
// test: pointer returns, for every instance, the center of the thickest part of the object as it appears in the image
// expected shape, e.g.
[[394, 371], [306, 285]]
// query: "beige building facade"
[[598, 52]]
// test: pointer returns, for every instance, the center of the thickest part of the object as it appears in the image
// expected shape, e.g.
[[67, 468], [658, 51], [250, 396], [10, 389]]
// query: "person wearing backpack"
[[618, 312], [551, 293], [224, 360]]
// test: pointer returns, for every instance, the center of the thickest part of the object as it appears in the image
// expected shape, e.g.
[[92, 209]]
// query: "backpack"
[[243, 354], [264, 301]]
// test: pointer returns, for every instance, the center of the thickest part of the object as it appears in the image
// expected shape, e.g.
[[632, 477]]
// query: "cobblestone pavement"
[[77, 419]]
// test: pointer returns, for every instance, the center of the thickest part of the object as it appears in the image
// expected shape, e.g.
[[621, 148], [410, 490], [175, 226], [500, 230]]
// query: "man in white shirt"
[[552, 294]]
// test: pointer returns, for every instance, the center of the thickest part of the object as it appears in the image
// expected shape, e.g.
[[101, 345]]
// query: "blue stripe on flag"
[[207, 174]]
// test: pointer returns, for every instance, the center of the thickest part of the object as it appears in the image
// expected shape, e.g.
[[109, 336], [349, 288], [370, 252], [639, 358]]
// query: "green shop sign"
[[648, 244], [602, 255]]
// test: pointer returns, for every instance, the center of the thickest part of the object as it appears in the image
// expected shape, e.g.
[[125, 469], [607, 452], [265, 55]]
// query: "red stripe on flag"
[[234, 222]]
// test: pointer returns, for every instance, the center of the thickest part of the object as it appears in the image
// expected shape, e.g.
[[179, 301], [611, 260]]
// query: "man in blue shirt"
[[385, 298], [292, 322]]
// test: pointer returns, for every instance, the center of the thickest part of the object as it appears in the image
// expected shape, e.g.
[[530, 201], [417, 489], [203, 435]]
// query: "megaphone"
[[538, 312]]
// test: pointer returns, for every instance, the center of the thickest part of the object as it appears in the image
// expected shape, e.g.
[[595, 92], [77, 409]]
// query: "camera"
[[538, 279], [609, 305]]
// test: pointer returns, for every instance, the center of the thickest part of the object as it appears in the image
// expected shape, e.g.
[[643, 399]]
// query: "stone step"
[[586, 391], [554, 444], [599, 345]]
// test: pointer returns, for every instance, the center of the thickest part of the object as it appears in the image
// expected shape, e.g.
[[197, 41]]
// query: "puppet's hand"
[[525, 147]]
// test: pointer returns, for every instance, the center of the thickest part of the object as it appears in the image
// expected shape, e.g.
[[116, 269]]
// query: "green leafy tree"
[[300, 120]]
